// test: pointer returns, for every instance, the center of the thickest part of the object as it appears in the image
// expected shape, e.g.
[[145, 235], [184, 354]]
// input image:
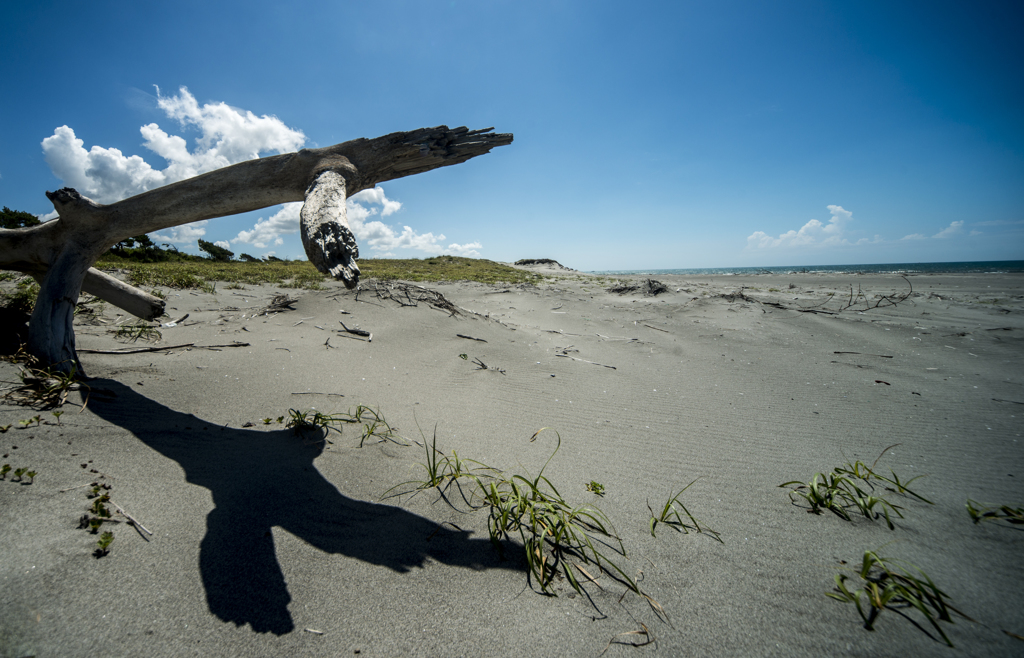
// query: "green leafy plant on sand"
[[670, 517], [889, 586], [372, 421], [852, 486], [19, 474], [980, 512], [557, 538], [103, 544], [596, 488]]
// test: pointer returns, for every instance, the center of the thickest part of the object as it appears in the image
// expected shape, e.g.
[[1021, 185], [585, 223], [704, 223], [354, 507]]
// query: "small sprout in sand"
[[670, 516], [267, 421], [103, 544], [18, 473], [595, 488], [890, 586], [4, 428], [99, 507], [464, 356], [4, 470], [25, 423], [31, 475], [980, 512], [57, 415], [38, 419]]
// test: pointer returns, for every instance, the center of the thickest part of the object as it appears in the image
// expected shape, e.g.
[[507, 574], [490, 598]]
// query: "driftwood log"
[[59, 254]]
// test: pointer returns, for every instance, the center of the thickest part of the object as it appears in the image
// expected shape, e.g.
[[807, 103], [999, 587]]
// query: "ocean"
[[983, 267]]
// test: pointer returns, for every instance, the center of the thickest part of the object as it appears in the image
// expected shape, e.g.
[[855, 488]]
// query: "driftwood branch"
[[60, 253]]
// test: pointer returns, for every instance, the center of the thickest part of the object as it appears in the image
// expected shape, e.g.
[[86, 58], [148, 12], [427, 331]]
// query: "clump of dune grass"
[[889, 586], [558, 538], [980, 512], [135, 331], [852, 487], [669, 516], [371, 423]]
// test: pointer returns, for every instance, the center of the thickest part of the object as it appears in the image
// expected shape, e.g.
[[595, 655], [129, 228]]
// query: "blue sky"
[[647, 134]]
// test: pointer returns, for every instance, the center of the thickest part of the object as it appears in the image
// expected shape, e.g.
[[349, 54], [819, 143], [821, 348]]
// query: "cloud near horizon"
[[949, 231], [374, 234], [813, 234]]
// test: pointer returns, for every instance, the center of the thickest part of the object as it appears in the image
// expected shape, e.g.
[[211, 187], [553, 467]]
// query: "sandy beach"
[[266, 543]]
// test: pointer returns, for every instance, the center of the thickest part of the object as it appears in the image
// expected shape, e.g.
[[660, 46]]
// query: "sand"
[[267, 544]]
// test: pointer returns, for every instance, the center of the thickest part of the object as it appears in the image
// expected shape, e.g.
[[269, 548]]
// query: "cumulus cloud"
[[812, 234], [268, 232], [372, 234], [952, 229], [185, 234], [383, 239], [227, 136]]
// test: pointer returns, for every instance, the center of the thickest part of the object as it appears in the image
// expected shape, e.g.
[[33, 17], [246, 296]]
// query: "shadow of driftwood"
[[262, 479]]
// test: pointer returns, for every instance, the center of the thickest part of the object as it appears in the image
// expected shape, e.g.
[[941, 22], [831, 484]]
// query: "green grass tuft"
[[889, 586], [852, 487]]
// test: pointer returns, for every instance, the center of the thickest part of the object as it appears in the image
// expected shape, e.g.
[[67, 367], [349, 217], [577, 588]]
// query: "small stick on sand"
[[471, 338], [163, 349], [585, 361], [130, 517]]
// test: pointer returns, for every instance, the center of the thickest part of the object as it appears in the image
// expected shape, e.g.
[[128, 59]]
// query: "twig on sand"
[[130, 517], [163, 349], [483, 366], [278, 304], [585, 361], [481, 340], [340, 395], [644, 631], [357, 332], [883, 356]]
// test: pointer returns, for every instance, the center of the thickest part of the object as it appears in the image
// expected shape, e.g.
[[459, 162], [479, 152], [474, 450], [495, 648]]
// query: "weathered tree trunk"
[[60, 253]]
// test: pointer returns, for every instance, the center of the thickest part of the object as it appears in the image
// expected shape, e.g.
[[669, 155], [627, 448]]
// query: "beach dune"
[[269, 542]]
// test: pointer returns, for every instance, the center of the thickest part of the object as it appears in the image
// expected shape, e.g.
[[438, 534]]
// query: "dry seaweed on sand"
[[278, 304], [649, 287]]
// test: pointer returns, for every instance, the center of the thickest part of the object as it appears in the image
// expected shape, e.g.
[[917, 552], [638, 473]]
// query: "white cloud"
[[185, 234], [268, 232], [227, 136], [383, 239], [373, 235], [376, 195], [223, 244], [952, 229], [812, 234], [468, 250]]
